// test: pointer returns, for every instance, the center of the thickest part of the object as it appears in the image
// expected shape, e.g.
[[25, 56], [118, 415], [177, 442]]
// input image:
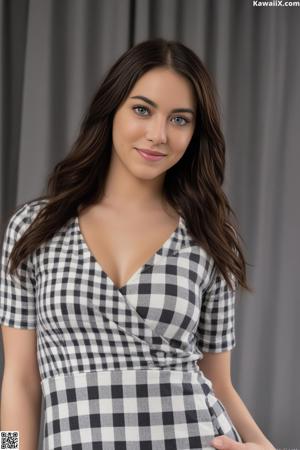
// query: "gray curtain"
[[53, 54]]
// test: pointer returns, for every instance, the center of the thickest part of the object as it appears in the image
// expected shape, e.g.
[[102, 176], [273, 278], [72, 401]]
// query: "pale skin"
[[21, 393], [135, 220]]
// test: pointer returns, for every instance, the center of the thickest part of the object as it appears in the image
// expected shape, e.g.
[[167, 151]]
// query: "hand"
[[226, 443]]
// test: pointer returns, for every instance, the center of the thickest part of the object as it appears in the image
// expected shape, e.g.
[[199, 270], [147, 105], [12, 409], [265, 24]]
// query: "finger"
[[226, 443]]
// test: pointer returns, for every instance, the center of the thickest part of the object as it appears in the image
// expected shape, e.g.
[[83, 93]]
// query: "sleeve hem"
[[7, 323], [216, 348]]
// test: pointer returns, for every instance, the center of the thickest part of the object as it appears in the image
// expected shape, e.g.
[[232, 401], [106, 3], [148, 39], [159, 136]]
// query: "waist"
[[127, 378]]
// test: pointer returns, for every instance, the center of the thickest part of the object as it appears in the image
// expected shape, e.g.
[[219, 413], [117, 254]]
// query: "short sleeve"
[[216, 328], [17, 295]]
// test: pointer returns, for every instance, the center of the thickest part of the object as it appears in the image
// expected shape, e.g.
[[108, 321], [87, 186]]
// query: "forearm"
[[241, 417], [21, 411]]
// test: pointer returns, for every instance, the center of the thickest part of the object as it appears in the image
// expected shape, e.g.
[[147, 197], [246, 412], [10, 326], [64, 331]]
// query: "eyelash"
[[147, 109]]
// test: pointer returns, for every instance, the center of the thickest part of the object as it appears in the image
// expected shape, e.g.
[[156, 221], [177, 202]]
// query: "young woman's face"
[[150, 123]]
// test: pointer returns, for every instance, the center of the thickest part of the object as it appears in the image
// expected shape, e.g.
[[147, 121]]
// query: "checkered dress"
[[118, 366]]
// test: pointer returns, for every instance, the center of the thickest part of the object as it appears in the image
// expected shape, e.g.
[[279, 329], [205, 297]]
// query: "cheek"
[[134, 128], [127, 131], [180, 143], [121, 133]]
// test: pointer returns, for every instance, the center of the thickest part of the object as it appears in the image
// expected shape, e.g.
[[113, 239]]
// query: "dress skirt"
[[133, 410]]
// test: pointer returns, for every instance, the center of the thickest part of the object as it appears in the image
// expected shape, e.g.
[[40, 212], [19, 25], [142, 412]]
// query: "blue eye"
[[140, 107], [182, 118], [186, 121]]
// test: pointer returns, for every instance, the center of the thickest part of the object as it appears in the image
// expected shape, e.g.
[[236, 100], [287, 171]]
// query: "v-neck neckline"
[[168, 244]]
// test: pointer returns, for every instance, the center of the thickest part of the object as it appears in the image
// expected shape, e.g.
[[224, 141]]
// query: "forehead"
[[165, 87]]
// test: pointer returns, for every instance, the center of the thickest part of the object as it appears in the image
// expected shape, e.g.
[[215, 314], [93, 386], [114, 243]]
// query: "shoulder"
[[22, 217], [34, 207], [200, 263]]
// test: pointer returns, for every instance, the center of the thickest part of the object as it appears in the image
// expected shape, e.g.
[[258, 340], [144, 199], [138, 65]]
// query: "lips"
[[150, 152], [153, 156]]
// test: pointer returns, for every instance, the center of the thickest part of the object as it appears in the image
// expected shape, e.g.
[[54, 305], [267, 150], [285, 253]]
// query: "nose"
[[157, 130]]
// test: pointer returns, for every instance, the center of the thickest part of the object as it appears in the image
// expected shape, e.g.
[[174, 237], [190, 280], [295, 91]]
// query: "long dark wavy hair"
[[193, 186]]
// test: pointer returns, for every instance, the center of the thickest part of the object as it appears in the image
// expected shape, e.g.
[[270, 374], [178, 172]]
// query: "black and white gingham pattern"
[[93, 336], [151, 409]]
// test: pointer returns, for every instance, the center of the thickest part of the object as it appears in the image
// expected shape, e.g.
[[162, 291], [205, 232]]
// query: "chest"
[[122, 244], [163, 297]]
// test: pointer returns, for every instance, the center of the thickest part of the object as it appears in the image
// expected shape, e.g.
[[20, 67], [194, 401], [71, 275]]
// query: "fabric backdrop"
[[53, 54]]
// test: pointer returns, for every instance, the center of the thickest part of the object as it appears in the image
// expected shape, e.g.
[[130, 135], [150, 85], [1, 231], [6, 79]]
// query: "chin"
[[147, 173]]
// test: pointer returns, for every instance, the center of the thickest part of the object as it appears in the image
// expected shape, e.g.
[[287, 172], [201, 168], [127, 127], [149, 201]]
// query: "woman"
[[128, 270]]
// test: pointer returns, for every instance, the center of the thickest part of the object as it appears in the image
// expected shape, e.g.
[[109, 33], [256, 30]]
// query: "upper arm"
[[18, 305], [20, 354], [217, 368], [216, 331], [216, 328], [17, 291]]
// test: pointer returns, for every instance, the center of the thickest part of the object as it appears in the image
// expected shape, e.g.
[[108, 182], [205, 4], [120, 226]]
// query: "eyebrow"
[[152, 103]]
